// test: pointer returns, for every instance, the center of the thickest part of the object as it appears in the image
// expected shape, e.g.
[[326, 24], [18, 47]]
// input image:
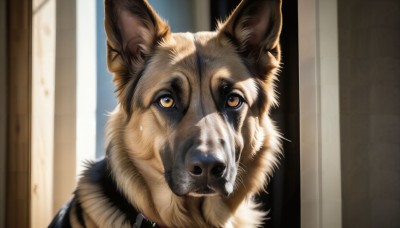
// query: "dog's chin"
[[183, 184], [203, 190], [207, 191], [203, 193]]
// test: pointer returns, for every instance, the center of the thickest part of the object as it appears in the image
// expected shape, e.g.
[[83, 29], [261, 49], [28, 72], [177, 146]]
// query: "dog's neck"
[[151, 195], [161, 195]]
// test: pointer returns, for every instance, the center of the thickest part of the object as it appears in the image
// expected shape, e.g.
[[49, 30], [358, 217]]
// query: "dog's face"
[[194, 103]]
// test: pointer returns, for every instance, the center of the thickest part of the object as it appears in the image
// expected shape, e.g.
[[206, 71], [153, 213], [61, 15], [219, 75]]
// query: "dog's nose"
[[205, 166]]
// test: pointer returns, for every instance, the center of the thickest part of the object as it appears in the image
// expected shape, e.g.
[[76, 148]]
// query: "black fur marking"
[[127, 103], [79, 214], [232, 39], [199, 61], [61, 220], [176, 86], [100, 174], [174, 114], [231, 116]]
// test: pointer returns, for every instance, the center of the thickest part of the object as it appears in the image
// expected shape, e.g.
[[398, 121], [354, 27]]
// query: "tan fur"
[[137, 132]]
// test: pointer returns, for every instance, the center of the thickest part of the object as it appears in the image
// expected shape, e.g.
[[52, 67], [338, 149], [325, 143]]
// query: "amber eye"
[[167, 102], [234, 101]]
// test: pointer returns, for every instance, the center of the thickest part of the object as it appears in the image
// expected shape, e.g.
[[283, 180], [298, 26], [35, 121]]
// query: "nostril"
[[218, 170], [196, 170], [204, 166]]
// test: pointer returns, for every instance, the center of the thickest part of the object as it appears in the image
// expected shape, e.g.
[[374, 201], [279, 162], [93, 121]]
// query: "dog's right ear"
[[133, 30], [254, 27]]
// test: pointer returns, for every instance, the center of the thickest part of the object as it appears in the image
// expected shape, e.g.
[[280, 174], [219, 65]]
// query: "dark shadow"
[[283, 193]]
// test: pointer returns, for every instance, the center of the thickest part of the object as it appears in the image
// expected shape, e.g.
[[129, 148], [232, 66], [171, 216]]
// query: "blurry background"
[[339, 94]]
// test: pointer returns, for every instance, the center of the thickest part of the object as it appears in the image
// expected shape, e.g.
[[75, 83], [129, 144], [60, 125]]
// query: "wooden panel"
[[309, 125], [3, 114], [65, 105], [18, 113], [319, 115], [43, 89]]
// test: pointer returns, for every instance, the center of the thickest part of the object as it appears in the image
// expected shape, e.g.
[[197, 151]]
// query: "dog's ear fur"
[[133, 30], [254, 27]]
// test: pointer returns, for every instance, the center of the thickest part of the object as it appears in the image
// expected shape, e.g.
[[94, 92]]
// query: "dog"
[[190, 142]]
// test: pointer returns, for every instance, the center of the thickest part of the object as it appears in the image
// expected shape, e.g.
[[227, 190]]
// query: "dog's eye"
[[234, 101], [167, 102]]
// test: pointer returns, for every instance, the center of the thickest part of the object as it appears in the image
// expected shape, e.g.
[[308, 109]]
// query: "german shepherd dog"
[[190, 143]]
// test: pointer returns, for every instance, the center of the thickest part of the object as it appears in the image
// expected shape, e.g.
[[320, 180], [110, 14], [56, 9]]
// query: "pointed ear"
[[254, 27], [133, 31]]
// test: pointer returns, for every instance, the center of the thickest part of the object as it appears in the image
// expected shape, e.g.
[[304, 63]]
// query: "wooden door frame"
[[320, 171], [35, 137], [314, 123], [19, 87]]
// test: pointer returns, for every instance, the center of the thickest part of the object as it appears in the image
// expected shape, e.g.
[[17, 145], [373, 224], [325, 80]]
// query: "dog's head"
[[195, 105]]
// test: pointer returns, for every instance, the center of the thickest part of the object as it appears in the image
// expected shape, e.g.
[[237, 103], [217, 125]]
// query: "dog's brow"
[[225, 84], [176, 85]]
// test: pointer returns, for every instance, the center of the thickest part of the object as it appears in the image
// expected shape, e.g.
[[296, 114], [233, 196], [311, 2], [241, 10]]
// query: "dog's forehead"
[[195, 55], [204, 53], [204, 45], [200, 60], [192, 47]]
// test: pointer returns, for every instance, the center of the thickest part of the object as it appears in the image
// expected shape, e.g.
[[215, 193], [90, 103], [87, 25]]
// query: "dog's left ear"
[[254, 27], [134, 30]]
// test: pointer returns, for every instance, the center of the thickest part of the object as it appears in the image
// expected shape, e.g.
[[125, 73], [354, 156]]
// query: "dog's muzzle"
[[203, 169], [201, 161], [208, 172]]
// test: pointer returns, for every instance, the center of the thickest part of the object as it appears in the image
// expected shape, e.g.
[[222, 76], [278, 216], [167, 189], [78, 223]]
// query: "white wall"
[[2, 109], [86, 82]]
